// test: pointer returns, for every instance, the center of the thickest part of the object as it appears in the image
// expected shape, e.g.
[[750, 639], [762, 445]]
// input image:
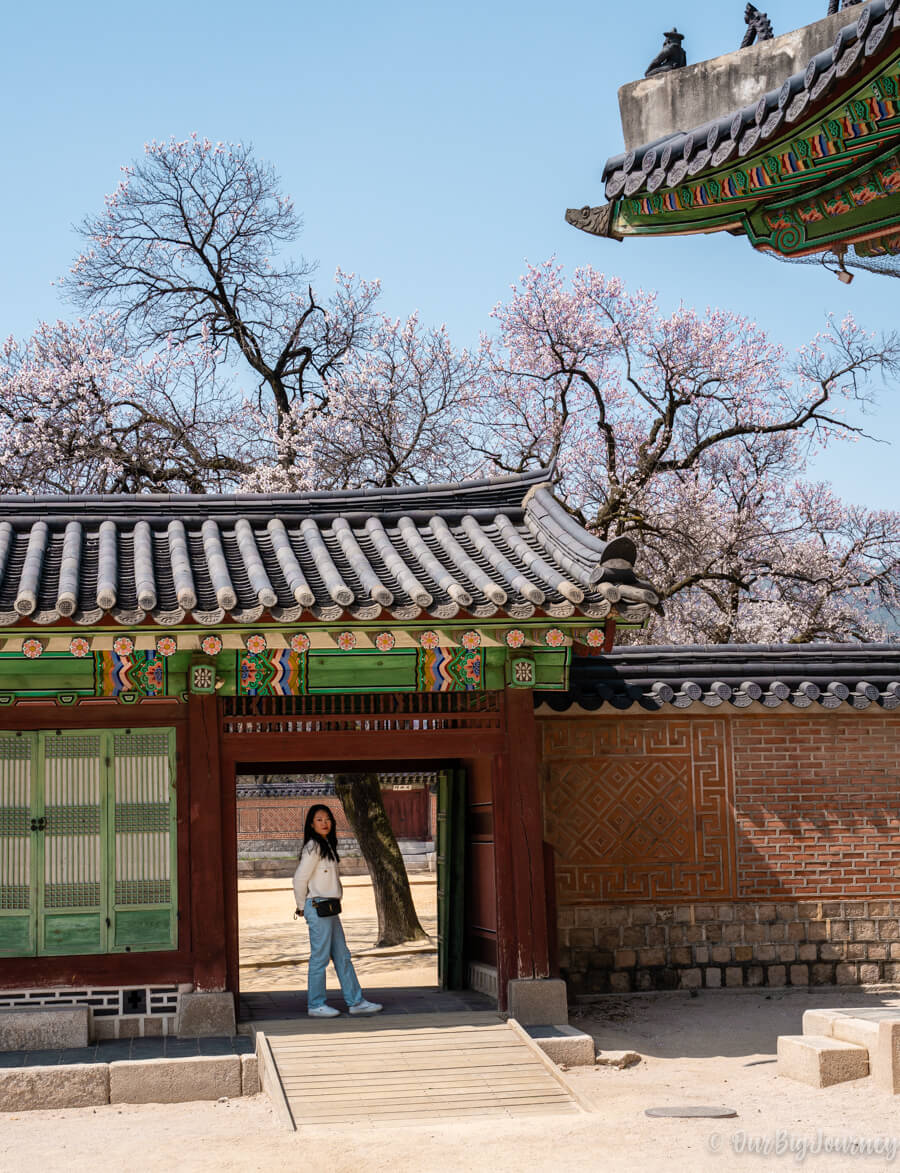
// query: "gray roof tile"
[[500, 547]]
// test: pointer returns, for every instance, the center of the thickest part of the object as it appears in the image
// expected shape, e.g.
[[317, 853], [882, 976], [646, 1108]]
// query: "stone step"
[[820, 1060], [843, 1025]]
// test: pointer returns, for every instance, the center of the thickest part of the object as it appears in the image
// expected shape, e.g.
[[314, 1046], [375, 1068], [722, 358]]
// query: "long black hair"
[[327, 844]]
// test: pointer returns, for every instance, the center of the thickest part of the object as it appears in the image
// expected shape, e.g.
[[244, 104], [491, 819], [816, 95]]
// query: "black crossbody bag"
[[327, 905]]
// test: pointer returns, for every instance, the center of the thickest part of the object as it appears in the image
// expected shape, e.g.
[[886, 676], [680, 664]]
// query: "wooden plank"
[[270, 1082]]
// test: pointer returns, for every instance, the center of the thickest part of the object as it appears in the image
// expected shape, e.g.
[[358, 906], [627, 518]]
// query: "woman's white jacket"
[[316, 875]]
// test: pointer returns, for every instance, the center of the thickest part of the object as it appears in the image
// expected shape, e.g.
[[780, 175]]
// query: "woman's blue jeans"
[[327, 942]]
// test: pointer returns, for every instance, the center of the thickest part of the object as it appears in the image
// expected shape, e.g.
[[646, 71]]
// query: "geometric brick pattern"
[[639, 809]]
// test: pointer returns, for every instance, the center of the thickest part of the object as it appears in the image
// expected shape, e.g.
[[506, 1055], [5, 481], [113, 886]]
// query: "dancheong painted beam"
[[458, 587], [810, 167]]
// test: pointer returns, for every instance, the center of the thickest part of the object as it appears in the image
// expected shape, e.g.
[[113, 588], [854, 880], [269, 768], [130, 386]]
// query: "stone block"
[[537, 1002], [105, 1028], [249, 1075], [625, 958], [819, 1022], [743, 952], [888, 930], [129, 1028], [806, 953], [799, 975], [862, 1032], [565, 1045], [691, 979], [681, 955], [720, 954], [755, 975], [726, 912], [655, 956], [620, 983], [713, 979], [786, 952], [845, 975], [734, 976], [829, 952], [205, 1015], [684, 914], [879, 908], [701, 954], [174, 1081], [777, 975], [152, 1026], [886, 1057], [74, 1085], [48, 1028], [765, 953], [732, 933], [641, 915], [869, 975], [823, 974], [820, 1061]]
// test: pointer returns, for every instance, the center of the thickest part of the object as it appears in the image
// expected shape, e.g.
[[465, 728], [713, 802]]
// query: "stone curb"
[[128, 1081]]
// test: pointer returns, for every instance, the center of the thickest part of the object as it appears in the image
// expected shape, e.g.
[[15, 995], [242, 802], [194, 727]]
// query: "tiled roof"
[[687, 153], [496, 547], [817, 676]]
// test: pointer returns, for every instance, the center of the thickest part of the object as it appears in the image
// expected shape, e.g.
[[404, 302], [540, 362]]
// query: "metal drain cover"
[[692, 1110]]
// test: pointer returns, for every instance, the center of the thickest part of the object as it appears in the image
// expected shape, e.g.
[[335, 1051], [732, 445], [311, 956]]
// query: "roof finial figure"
[[835, 5], [759, 27], [670, 57]]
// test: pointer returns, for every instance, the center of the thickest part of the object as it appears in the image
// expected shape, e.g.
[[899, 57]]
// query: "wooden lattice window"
[[87, 842]]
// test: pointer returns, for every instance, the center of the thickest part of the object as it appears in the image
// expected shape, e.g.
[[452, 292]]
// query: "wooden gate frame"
[[506, 735]]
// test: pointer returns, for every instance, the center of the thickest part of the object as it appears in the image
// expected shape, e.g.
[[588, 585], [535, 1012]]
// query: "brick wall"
[[746, 849]]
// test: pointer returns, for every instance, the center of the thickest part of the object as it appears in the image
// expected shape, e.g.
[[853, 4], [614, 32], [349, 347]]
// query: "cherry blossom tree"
[[82, 413], [692, 433]]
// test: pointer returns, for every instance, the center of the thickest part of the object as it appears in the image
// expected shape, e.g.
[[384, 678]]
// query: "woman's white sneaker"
[[325, 1012], [365, 1007]]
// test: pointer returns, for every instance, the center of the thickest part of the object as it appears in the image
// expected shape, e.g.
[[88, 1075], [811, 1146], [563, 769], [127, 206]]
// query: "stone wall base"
[[618, 948]]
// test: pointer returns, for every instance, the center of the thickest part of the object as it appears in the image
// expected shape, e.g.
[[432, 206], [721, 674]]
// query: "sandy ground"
[[717, 1049], [275, 947]]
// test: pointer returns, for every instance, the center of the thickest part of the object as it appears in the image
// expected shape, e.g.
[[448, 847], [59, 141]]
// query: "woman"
[[318, 878]]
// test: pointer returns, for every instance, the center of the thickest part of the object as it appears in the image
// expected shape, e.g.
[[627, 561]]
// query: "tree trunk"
[[361, 798]]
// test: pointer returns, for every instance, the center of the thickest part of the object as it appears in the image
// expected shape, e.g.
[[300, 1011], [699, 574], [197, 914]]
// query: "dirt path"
[[716, 1049], [274, 948]]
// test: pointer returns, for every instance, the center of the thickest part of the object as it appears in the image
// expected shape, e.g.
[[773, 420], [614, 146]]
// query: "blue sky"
[[435, 147]]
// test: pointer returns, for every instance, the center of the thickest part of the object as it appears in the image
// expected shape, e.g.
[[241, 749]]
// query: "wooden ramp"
[[413, 1068]]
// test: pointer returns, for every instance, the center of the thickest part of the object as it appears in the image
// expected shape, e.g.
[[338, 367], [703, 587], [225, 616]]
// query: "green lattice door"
[[72, 869], [142, 834], [87, 842], [17, 863]]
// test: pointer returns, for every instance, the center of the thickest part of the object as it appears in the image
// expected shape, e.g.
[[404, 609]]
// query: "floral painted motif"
[[256, 644], [211, 645], [123, 646], [430, 640], [515, 638], [555, 638], [595, 638], [471, 640], [300, 642], [79, 647], [384, 641], [166, 646], [346, 641], [32, 648]]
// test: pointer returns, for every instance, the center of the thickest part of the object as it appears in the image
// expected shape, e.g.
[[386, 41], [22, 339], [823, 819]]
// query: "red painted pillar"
[[522, 931], [208, 879]]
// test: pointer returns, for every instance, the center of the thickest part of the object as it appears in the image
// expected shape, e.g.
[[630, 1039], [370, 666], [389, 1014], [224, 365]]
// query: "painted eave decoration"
[[445, 587], [656, 679], [810, 165]]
